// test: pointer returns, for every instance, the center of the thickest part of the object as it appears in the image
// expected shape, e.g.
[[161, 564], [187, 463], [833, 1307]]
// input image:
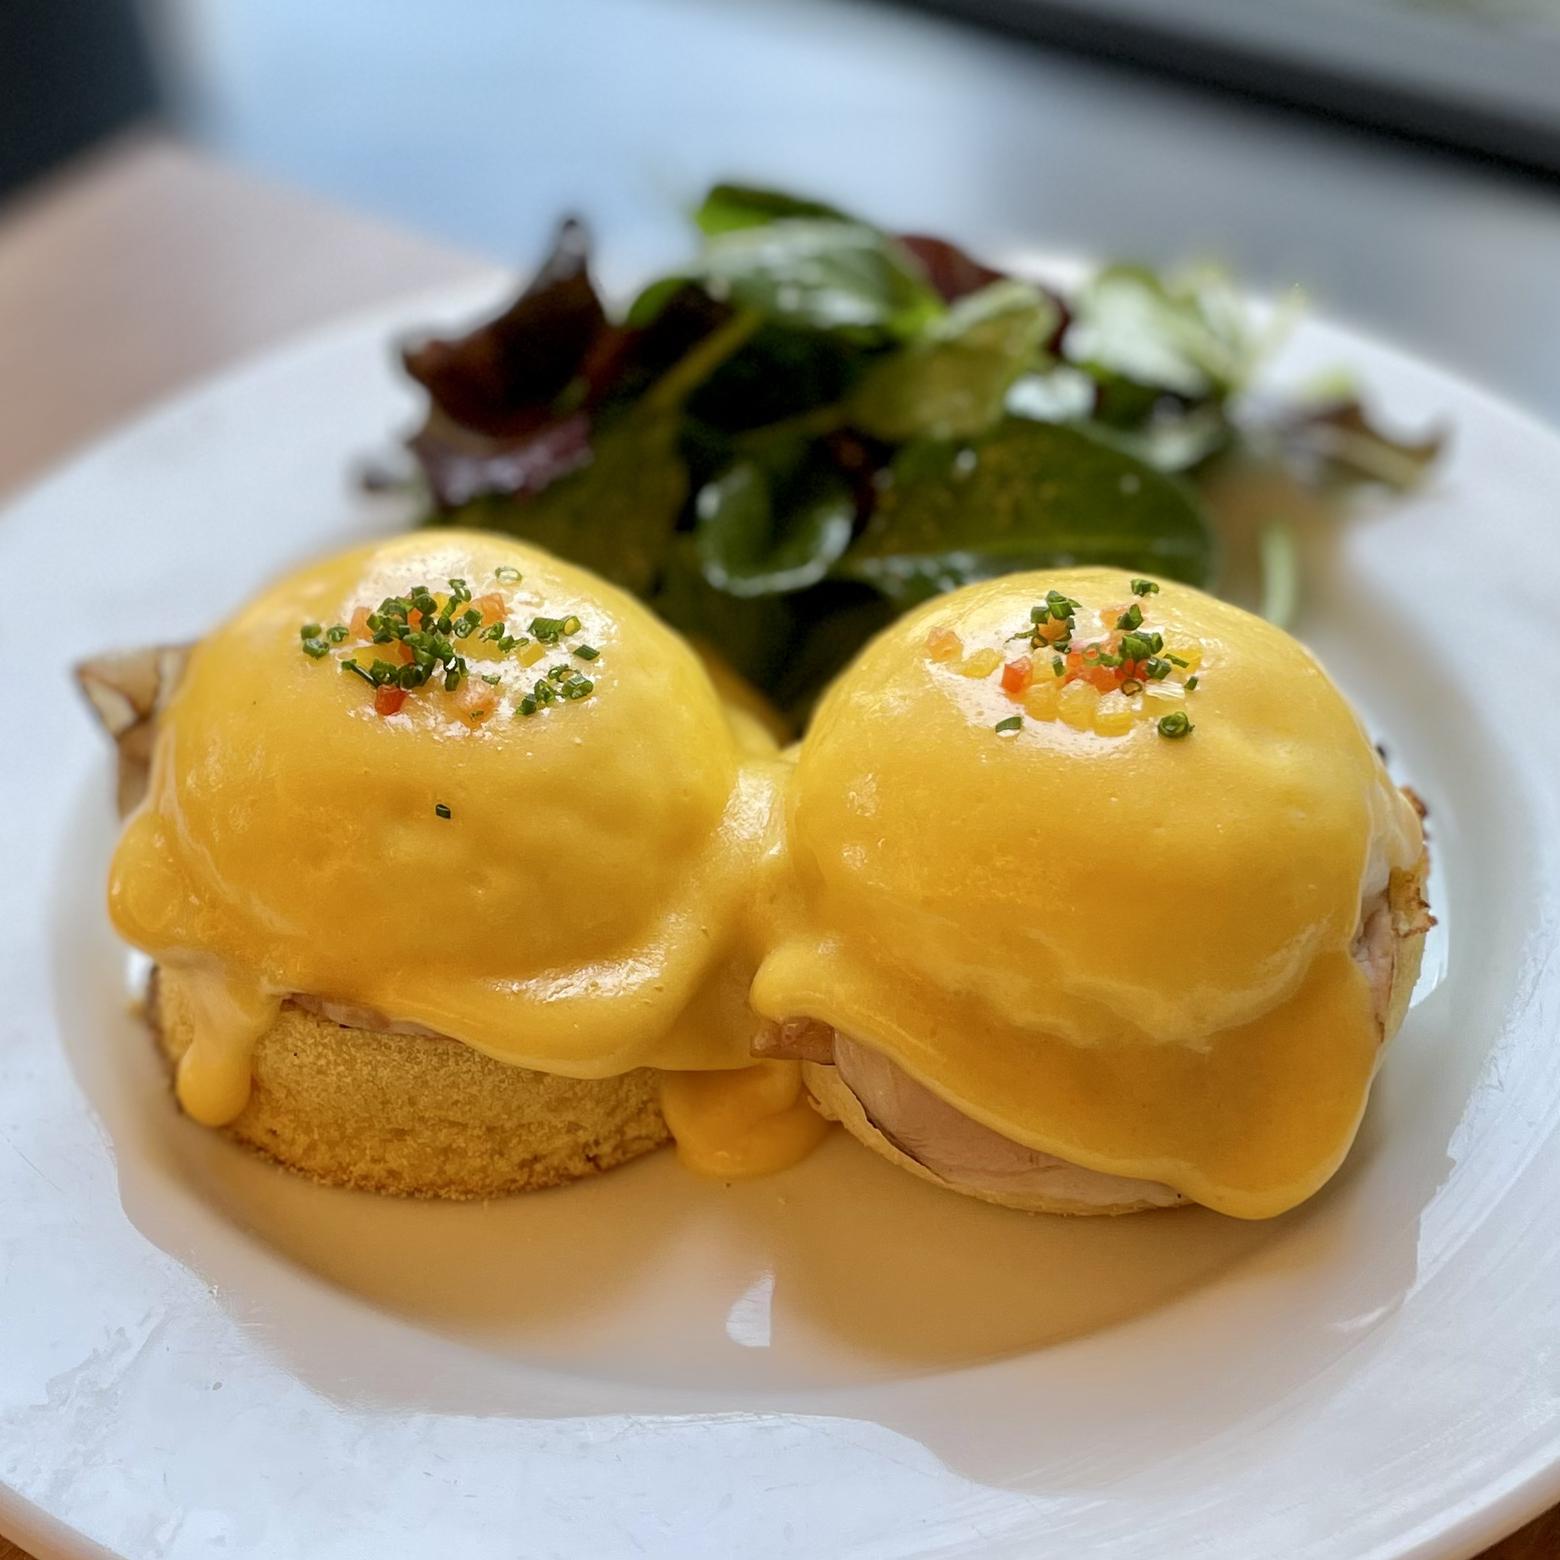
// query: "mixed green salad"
[[817, 424]]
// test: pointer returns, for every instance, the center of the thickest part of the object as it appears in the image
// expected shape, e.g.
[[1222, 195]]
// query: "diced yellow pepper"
[[529, 655], [942, 644], [979, 663], [1161, 697], [1076, 705], [1114, 715], [1040, 698]]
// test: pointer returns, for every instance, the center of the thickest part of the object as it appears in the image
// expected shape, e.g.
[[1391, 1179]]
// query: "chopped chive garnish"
[[508, 575], [442, 810], [1156, 669], [429, 633], [1144, 588], [1175, 660], [1011, 724], [1175, 724], [1191, 682], [1058, 665], [1039, 614], [1131, 618], [1131, 686]]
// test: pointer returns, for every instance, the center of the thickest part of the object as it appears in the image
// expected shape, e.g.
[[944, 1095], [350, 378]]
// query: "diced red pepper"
[[388, 699], [1017, 675], [493, 608]]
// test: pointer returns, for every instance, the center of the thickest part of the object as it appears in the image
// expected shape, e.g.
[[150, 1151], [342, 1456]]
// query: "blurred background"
[[247, 167]]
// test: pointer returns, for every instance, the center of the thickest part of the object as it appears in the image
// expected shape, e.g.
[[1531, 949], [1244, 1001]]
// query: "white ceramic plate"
[[200, 1355]]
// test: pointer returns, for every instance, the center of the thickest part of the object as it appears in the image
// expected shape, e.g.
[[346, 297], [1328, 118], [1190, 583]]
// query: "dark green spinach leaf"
[[769, 526], [1026, 496], [779, 374]]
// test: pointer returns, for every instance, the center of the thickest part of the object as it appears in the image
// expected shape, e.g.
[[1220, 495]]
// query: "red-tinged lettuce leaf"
[[954, 274], [948, 268], [507, 422], [460, 467], [1338, 444], [1027, 495], [503, 377], [615, 513], [627, 359]]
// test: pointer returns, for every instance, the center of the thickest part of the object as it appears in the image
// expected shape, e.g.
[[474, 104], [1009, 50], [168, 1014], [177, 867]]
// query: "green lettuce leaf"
[[952, 382], [729, 207], [1185, 336], [821, 274]]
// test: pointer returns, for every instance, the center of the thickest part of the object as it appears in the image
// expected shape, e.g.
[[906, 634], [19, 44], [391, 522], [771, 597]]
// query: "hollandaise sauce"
[[455, 783], [1087, 855]]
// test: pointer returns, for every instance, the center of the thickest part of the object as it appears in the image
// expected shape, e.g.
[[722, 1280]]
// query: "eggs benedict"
[[444, 857], [1103, 901]]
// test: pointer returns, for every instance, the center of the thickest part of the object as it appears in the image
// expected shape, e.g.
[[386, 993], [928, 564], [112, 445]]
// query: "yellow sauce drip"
[[557, 890], [734, 1125], [214, 1074]]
